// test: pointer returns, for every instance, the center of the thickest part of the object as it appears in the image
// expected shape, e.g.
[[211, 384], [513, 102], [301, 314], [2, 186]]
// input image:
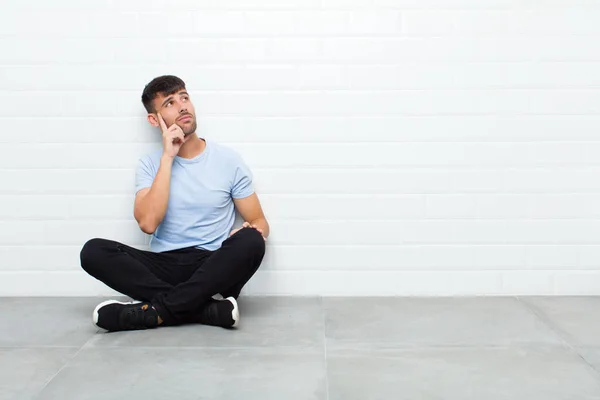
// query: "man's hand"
[[173, 137], [247, 225]]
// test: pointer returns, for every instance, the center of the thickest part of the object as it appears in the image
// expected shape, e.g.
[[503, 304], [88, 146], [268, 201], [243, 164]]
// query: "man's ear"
[[153, 120]]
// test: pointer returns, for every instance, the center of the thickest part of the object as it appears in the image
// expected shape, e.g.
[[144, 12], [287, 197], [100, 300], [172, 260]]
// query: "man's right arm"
[[151, 203]]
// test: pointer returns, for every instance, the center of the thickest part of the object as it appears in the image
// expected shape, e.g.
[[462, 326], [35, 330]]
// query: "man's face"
[[177, 109]]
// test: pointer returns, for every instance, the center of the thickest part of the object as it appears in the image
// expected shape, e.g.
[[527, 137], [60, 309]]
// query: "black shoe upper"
[[217, 313], [122, 317]]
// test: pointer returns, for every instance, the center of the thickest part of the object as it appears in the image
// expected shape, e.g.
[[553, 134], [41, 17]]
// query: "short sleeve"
[[242, 180], [144, 174]]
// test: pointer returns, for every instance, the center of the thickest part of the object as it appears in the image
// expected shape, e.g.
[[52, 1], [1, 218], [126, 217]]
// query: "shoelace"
[[134, 316]]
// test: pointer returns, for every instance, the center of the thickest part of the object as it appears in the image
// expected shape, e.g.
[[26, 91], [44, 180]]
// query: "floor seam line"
[[325, 348], [63, 366], [564, 336]]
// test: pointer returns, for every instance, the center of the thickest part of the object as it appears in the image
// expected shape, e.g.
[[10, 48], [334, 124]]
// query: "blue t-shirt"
[[200, 211]]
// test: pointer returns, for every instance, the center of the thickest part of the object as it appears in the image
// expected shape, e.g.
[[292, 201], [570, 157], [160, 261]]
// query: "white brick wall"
[[400, 147]]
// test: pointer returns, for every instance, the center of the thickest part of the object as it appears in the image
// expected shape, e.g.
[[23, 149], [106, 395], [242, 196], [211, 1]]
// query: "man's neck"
[[193, 147]]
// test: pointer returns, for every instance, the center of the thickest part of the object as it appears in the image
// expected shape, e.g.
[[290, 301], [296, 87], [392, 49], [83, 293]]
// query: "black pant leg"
[[227, 268], [138, 274]]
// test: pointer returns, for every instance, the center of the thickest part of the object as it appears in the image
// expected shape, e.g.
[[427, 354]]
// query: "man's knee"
[[91, 253], [253, 241]]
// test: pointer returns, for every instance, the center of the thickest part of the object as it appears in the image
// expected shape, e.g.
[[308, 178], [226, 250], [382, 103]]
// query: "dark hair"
[[165, 85]]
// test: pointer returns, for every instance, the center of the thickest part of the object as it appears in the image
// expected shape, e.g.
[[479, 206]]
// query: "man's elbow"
[[147, 230], [147, 226]]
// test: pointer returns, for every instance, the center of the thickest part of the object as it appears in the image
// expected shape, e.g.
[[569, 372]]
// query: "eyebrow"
[[167, 100], [171, 97]]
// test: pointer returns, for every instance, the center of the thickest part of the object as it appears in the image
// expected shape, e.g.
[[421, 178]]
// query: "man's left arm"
[[251, 211]]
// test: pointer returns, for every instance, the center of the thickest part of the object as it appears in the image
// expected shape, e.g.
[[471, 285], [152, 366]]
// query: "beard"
[[188, 127]]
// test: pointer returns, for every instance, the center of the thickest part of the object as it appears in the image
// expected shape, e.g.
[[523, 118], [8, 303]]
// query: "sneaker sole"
[[104, 303], [235, 313]]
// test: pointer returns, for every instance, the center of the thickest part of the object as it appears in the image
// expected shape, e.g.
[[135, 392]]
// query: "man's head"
[[168, 96]]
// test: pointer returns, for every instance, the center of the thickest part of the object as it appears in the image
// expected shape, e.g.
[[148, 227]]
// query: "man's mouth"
[[185, 118]]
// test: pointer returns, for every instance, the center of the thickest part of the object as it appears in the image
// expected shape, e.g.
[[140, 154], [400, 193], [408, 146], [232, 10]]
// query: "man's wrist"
[[165, 158]]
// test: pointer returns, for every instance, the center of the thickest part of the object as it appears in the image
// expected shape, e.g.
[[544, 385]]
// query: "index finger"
[[161, 121]]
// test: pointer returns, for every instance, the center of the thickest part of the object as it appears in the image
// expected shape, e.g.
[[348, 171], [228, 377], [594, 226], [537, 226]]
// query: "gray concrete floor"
[[311, 348]]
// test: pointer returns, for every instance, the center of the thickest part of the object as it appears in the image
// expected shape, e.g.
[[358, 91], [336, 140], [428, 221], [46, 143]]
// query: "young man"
[[186, 196]]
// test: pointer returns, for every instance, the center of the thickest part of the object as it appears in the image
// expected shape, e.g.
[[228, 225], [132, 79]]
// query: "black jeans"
[[178, 283]]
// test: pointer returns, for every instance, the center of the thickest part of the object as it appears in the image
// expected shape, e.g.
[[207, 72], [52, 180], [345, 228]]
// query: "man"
[[186, 196]]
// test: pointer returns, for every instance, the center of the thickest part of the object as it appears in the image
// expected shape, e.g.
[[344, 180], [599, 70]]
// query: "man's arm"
[[151, 203], [252, 213]]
